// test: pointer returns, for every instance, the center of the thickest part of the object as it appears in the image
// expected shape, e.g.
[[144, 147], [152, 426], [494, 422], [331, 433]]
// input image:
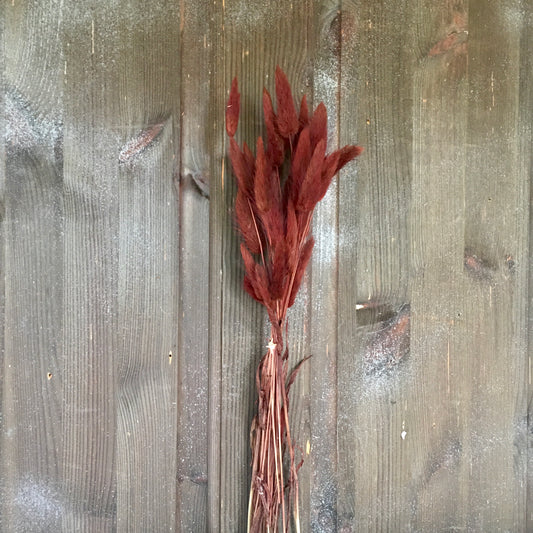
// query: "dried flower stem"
[[274, 213]]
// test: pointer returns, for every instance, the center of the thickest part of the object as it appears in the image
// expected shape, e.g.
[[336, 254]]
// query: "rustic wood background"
[[128, 346]]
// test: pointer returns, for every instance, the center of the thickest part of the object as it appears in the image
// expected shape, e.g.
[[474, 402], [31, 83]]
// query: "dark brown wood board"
[[32, 409], [128, 347]]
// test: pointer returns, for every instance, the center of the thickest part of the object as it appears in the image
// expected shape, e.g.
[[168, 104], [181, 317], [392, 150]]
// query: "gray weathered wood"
[[323, 287], [217, 177], [494, 306], [376, 109], [32, 213], [148, 375], [90, 278], [525, 120], [128, 345], [194, 270]]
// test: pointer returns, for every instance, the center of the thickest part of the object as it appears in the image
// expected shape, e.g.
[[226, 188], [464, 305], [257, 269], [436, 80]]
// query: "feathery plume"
[[277, 190], [287, 118]]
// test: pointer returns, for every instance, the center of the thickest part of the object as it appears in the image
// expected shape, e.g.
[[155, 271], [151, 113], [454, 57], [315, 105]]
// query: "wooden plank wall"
[[128, 347]]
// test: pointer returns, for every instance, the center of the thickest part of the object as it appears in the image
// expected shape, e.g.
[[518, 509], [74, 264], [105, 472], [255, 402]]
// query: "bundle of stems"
[[277, 191]]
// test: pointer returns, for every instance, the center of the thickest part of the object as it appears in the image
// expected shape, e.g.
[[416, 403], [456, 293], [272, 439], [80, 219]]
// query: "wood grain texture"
[[376, 109], [323, 288], [148, 393], [148, 390], [90, 279], [440, 447], [496, 211], [4, 483], [526, 164], [128, 347], [32, 213], [194, 269], [217, 213]]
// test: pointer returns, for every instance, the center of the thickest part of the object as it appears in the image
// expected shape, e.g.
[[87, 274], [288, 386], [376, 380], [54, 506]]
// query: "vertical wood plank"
[[377, 63], [217, 215], [32, 212], [148, 359], [246, 43], [526, 159], [4, 483], [194, 268], [494, 301], [323, 287], [90, 264], [147, 67], [436, 446]]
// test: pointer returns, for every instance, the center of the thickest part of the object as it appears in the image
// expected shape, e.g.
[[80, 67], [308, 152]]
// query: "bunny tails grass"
[[277, 191]]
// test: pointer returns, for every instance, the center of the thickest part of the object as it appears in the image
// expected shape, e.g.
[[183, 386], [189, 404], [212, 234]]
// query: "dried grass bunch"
[[278, 189]]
